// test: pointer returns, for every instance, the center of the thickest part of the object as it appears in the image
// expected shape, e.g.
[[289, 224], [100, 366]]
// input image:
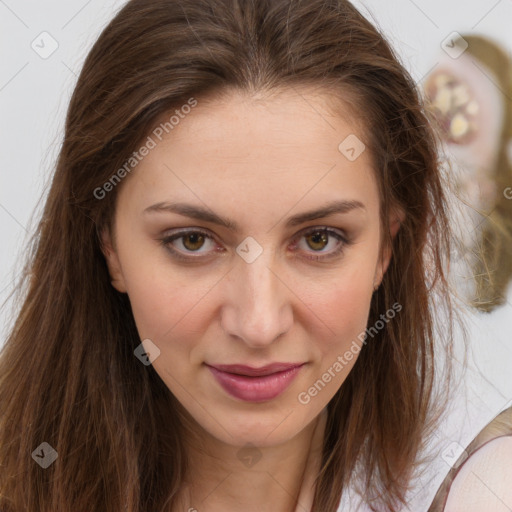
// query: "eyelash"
[[344, 242]]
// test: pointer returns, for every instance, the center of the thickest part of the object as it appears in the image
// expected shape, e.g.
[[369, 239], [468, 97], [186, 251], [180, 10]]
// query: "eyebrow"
[[206, 215]]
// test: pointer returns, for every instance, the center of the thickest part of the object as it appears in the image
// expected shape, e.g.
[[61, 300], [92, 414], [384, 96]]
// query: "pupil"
[[194, 238], [319, 237]]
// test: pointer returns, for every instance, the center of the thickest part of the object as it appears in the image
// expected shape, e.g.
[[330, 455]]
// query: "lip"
[[252, 384]]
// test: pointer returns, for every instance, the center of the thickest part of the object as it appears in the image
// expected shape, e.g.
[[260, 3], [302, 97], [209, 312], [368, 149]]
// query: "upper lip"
[[250, 371]]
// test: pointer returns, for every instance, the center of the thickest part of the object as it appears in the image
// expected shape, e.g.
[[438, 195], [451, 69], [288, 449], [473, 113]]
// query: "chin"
[[263, 424]]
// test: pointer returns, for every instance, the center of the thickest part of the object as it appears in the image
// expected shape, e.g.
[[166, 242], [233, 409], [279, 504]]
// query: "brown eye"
[[318, 239], [193, 241], [185, 243]]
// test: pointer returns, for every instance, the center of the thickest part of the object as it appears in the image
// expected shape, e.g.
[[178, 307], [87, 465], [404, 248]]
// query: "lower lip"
[[255, 389]]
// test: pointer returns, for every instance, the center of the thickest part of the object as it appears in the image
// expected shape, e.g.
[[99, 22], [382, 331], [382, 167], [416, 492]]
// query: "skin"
[[483, 482], [256, 161]]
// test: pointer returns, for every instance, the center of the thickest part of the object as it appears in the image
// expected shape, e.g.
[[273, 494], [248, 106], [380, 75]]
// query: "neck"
[[226, 478]]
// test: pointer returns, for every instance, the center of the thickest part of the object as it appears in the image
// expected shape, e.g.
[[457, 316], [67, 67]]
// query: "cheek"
[[163, 297], [344, 308], [349, 319], [166, 308], [170, 310]]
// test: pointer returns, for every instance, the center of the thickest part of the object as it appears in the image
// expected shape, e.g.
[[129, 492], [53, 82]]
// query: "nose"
[[258, 307]]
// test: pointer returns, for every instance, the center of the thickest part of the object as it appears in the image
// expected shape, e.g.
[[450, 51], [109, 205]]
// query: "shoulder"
[[483, 481]]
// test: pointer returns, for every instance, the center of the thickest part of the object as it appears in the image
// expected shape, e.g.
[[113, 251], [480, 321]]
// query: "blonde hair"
[[493, 268]]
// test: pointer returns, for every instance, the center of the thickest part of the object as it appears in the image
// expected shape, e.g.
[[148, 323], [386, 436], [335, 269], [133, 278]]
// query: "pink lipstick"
[[255, 384]]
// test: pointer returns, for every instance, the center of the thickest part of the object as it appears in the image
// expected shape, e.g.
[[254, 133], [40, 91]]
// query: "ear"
[[114, 267], [396, 219]]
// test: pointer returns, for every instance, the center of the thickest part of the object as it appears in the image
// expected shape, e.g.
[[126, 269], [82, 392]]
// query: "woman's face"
[[273, 283]]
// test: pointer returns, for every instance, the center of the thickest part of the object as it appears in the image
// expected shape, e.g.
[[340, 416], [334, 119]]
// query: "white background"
[[34, 93]]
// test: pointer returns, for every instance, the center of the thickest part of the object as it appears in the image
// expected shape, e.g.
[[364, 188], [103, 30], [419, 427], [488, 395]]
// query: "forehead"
[[284, 117], [261, 150]]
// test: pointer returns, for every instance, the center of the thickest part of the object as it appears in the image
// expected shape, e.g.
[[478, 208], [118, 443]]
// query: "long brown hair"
[[68, 375]]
